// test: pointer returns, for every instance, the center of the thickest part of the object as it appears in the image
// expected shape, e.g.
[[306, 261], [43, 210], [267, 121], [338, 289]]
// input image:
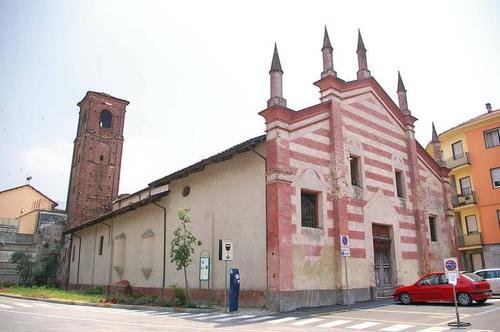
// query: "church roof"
[[199, 166], [196, 167]]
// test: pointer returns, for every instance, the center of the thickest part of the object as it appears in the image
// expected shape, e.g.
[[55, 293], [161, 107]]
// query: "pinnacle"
[[326, 41], [361, 45], [401, 86], [435, 137], [275, 64]]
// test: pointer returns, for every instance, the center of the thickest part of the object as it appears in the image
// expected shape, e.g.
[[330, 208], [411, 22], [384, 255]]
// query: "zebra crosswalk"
[[298, 321]]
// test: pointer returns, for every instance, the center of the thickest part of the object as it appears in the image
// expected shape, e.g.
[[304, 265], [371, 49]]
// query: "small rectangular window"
[[458, 150], [400, 190], [495, 177], [355, 170], [471, 223], [432, 228], [492, 138], [73, 254], [101, 242], [309, 209]]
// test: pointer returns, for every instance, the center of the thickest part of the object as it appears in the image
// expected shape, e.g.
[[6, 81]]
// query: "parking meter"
[[234, 289]]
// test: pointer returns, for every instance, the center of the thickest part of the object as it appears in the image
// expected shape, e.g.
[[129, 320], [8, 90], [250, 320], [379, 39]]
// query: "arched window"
[[105, 119]]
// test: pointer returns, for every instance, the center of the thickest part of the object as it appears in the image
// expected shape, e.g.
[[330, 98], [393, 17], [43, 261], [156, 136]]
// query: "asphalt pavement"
[[26, 315]]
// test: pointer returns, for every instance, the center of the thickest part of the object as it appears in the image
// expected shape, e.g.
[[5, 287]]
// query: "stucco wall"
[[16, 202], [227, 201]]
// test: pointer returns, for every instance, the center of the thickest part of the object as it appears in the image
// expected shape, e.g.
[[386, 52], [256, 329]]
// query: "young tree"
[[182, 245]]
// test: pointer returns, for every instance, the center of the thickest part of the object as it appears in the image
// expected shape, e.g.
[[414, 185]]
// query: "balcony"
[[466, 198], [457, 161], [469, 240]]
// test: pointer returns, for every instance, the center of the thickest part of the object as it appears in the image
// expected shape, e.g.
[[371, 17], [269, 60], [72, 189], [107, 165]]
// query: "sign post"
[[205, 272], [225, 254], [345, 251], [451, 271]]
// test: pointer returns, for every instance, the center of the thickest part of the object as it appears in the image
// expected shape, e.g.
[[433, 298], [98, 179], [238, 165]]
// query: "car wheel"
[[481, 301], [464, 299], [405, 298]]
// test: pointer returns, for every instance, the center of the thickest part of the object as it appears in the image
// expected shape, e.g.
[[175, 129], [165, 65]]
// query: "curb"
[[111, 305]]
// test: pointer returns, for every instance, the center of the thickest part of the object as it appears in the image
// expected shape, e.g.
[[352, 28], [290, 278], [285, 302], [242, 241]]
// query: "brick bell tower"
[[97, 156]]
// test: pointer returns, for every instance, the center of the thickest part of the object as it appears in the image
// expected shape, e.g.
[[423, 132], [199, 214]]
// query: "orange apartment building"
[[472, 151]]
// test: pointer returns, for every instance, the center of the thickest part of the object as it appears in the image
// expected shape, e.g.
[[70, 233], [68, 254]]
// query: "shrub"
[[24, 267], [179, 297]]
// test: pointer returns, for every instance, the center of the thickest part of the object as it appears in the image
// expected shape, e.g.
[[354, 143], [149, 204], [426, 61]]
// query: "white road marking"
[[227, 319], [434, 329], [23, 305], [477, 330], [486, 312], [180, 314], [5, 306], [41, 304], [199, 315], [258, 319], [335, 323], [362, 326], [397, 327], [307, 321], [282, 320], [490, 300], [212, 316]]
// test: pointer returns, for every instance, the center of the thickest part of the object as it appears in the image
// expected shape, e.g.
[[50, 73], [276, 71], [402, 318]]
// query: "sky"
[[196, 72]]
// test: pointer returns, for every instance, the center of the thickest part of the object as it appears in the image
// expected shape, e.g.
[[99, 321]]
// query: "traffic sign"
[[450, 265], [225, 250], [345, 246]]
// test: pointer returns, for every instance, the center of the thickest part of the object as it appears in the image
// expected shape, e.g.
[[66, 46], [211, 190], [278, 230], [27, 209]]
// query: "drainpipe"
[[265, 184], [69, 260], [79, 252], [110, 256], [164, 243]]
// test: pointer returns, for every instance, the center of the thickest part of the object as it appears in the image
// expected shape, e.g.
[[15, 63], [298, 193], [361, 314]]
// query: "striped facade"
[[308, 151]]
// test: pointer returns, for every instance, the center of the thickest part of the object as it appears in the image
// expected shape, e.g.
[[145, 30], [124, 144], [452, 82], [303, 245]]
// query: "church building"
[[348, 165]]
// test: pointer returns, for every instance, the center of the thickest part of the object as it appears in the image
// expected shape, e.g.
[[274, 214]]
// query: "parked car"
[[434, 287], [492, 276]]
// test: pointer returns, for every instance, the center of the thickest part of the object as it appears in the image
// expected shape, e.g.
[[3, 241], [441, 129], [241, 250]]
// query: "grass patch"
[[54, 293]]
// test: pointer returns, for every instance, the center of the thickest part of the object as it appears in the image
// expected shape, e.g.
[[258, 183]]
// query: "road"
[[25, 315]]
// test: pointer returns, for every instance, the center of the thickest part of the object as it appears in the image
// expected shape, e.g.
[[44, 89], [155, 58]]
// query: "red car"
[[434, 287]]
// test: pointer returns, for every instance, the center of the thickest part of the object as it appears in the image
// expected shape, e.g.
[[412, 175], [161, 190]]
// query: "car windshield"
[[473, 276]]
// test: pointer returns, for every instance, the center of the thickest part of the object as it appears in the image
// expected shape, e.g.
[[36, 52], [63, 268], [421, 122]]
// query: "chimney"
[[488, 107]]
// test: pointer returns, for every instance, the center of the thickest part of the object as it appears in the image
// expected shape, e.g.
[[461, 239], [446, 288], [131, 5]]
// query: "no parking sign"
[[451, 269]]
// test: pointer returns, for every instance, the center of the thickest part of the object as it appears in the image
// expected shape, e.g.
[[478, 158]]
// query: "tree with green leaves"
[[183, 245]]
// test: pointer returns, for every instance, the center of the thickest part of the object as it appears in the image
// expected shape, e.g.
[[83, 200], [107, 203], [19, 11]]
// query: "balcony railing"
[[468, 240], [459, 160], [466, 198]]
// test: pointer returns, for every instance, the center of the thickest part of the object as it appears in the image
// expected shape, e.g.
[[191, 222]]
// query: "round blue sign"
[[450, 265], [345, 240]]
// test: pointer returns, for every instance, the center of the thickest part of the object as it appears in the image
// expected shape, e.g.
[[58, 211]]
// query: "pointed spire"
[[363, 71], [437, 153], [435, 137], [327, 51], [401, 86], [361, 45], [326, 40], [403, 101], [275, 64], [276, 75]]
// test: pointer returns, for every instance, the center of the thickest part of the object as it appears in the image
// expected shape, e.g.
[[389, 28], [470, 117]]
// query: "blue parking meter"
[[234, 289]]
